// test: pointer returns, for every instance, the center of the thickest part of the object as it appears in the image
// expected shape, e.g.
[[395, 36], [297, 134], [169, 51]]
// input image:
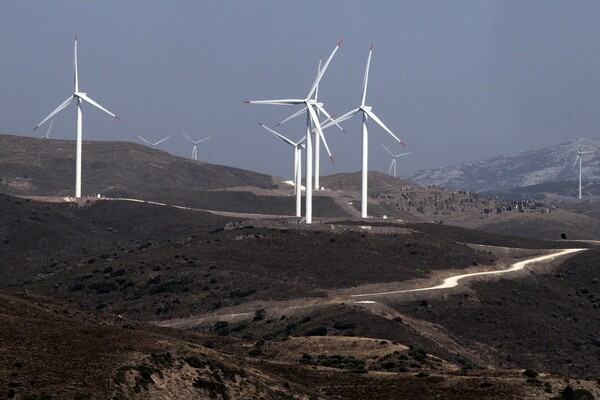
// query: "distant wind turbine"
[[297, 165], [195, 145], [367, 113], [80, 97], [153, 145], [312, 119], [47, 135], [578, 158], [394, 157]]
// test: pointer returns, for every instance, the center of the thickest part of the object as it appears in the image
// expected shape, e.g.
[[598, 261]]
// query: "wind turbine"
[[195, 145], [317, 157], [394, 157], [298, 146], [153, 145], [297, 165], [578, 158], [367, 112], [80, 97], [311, 106], [47, 135]]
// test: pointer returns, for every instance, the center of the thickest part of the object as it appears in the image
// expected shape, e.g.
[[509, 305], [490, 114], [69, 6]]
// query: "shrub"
[[318, 331], [530, 373], [77, 286], [344, 325], [163, 359], [255, 352], [259, 315], [195, 362]]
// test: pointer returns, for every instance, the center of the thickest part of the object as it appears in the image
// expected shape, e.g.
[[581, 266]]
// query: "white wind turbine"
[[311, 105], [367, 113], [297, 165], [195, 145], [47, 135], [80, 97], [394, 157], [317, 157], [153, 145], [298, 146], [578, 158]]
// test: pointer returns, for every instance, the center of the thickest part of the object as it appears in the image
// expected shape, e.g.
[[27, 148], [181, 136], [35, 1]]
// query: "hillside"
[[400, 200], [528, 168], [271, 300], [559, 193]]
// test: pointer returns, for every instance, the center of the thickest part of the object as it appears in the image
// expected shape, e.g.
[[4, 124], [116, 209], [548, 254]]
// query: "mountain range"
[[526, 169]]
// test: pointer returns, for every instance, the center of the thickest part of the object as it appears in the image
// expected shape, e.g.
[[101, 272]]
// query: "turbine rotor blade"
[[389, 152], [575, 163], [329, 117], [278, 135], [318, 71], [294, 115], [315, 119], [92, 102], [282, 102], [322, 71], [75, 74], [147, 141], [344, 117], [188, 138], [381, 124], [47, 136], [202, 140], [366, 78], [161, 140], [56, 111], [391, 166]]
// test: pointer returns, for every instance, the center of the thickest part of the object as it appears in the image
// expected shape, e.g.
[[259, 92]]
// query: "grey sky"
[[457, 81]]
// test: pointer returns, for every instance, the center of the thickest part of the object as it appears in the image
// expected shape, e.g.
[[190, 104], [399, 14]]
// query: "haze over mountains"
[[528, 168]]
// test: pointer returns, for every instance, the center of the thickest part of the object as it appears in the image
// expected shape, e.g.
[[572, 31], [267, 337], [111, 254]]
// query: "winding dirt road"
[[453, 280], [288, 307]]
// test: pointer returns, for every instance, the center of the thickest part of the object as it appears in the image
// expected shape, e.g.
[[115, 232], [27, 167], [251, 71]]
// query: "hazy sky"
[[456, 80]]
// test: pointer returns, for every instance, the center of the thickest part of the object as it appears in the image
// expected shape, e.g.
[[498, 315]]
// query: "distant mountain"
[[534, 167]]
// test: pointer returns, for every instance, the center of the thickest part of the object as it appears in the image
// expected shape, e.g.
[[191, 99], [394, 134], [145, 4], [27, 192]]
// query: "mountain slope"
[[31, 166], [523, 169]]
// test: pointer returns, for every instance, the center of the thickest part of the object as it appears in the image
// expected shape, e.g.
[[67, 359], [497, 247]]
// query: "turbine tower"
[[297, 165], [394, 157], [298, 146], [367, 112], [153, 145], [47, 135], [195, 145], [578, 158], [312, 119], [80, 97]]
